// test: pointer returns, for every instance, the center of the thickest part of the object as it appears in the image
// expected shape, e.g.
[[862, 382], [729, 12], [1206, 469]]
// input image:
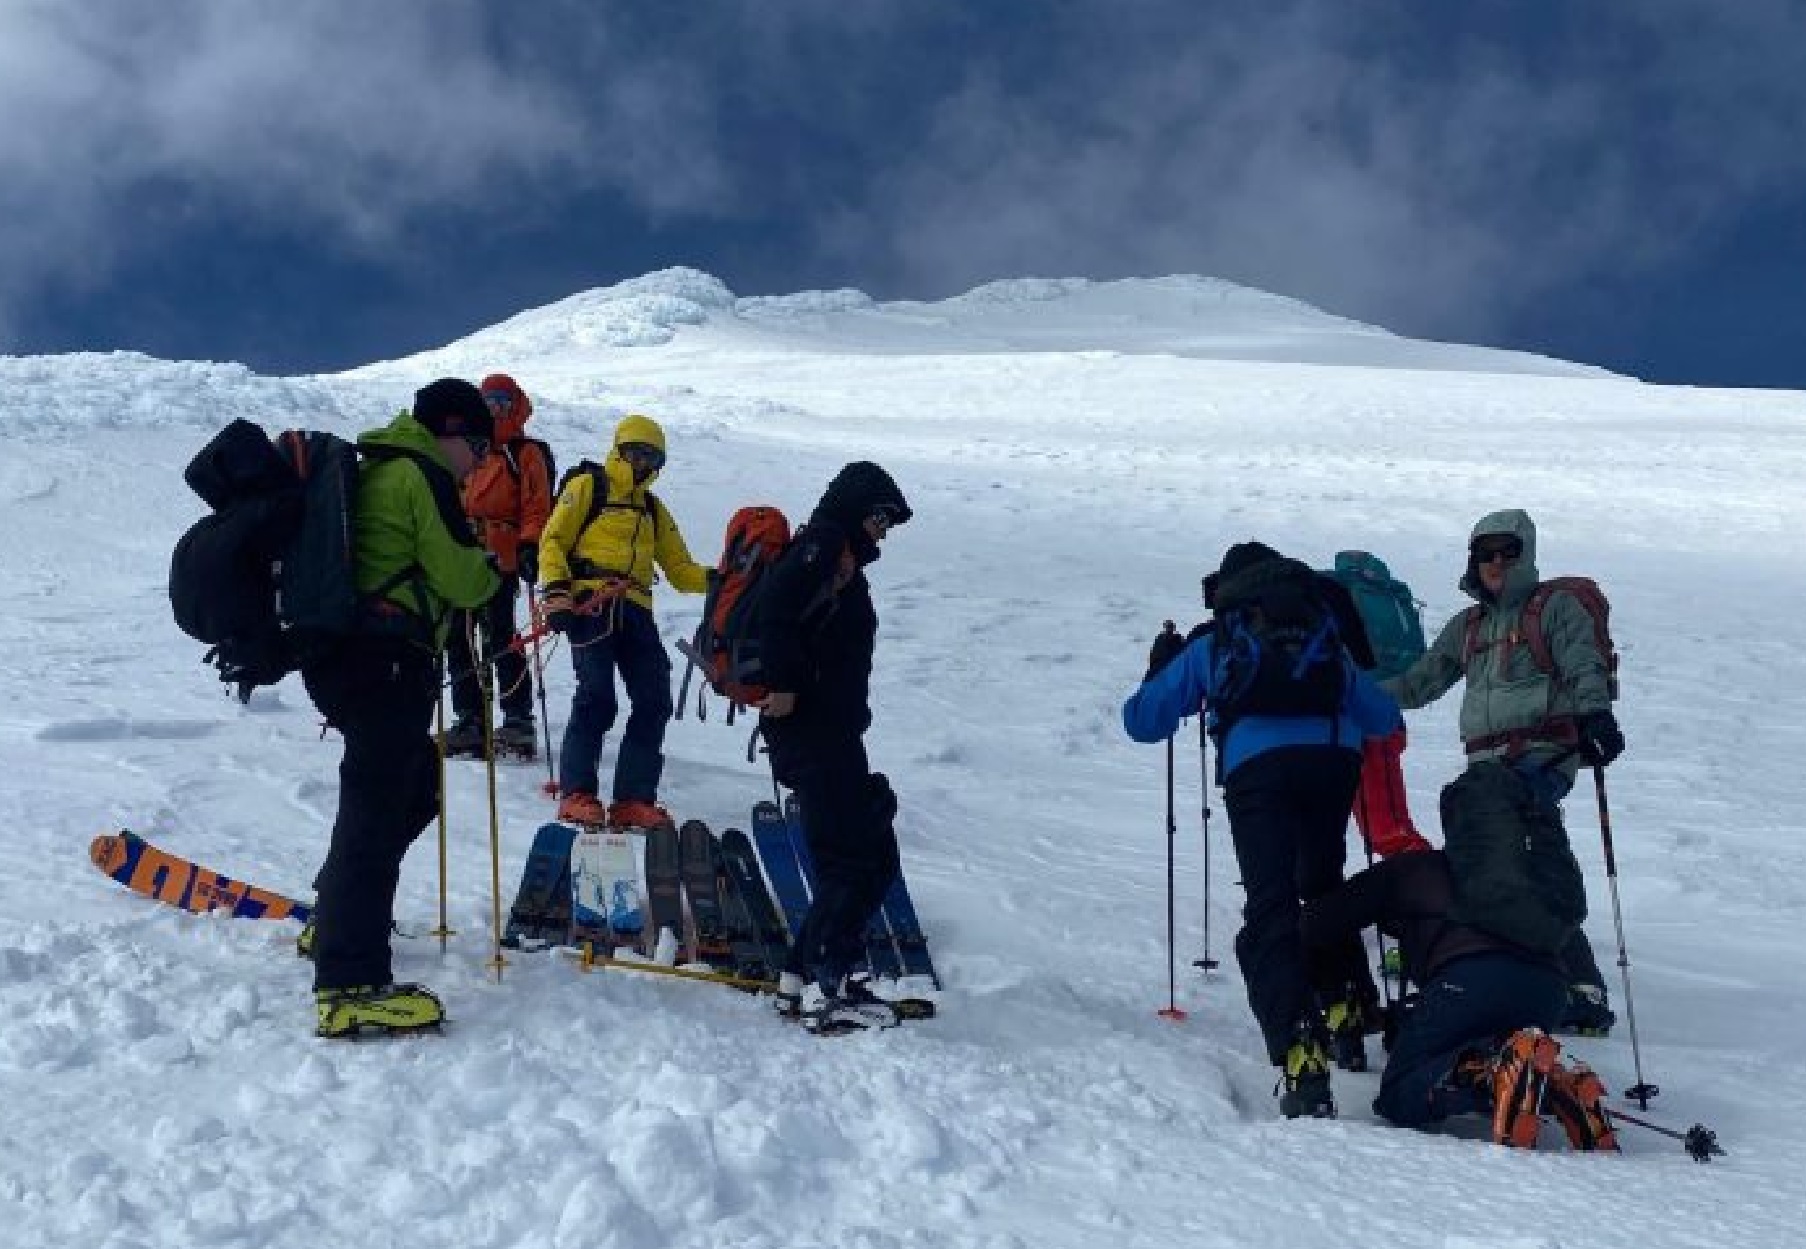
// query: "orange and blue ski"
[[164, 877]]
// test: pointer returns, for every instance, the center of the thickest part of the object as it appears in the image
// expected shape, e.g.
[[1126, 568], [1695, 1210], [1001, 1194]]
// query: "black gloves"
[[1601, 740], [526, 558], [559, 611], [1166, 648]]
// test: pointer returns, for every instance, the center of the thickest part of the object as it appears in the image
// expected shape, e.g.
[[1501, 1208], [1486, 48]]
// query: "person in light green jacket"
[[1540, 725], [416, 561]]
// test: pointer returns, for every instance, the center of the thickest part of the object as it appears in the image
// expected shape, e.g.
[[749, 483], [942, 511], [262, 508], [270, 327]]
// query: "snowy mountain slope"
[[161, 1081], [1183, 315]]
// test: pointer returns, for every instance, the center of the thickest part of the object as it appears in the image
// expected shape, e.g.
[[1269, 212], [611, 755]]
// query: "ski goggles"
[[886, 515], [642, 453], [1497, 546], [503, 399]]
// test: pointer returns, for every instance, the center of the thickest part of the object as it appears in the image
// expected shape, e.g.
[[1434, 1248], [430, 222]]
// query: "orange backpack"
[[723, 646]]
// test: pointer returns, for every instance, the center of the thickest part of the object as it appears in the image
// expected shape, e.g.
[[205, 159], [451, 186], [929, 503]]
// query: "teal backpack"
[[1394, 619]]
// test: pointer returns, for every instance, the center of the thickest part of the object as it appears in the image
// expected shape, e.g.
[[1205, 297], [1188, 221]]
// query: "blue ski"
[[782, 868], [541, 914]]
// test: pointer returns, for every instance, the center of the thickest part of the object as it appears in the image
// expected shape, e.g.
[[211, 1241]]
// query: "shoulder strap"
[[444, 489], [1470, 637], [1532, 627]]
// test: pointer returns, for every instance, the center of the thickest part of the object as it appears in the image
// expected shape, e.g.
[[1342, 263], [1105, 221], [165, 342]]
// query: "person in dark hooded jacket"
[[817, 628]]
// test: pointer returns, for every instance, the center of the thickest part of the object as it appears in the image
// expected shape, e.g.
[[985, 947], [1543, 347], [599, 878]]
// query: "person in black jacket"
[[1474, 1039], [817, 627]]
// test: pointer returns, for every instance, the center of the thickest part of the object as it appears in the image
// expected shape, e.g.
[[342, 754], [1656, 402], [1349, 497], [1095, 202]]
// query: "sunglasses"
[[642, 453], [498, 398], [885, 514], [1486, 550]]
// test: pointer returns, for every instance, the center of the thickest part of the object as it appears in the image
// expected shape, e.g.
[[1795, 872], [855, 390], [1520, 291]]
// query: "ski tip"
[[108, 851]]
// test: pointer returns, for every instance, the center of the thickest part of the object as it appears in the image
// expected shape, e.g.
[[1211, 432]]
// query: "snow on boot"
[[849, 1007], [388, 1010], [789, 997]]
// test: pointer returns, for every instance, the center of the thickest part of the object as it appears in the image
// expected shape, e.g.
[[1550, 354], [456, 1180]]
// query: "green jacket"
[[1505, 691], [403, 532]]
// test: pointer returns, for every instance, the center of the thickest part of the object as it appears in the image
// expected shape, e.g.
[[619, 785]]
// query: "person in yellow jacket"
[[598, 558]]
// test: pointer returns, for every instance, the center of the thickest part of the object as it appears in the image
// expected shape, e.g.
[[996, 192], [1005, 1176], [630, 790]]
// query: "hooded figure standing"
[[1288, 762], [507, 497], [598, 556], [415, 560], [817, 628], [1526, 732]]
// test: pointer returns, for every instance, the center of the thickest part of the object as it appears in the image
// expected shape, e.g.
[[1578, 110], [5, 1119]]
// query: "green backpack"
[[1393, 617]]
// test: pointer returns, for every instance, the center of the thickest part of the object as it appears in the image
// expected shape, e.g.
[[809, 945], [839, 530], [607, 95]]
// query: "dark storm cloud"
[[1384, 168], [1430, 166], [344, 120]]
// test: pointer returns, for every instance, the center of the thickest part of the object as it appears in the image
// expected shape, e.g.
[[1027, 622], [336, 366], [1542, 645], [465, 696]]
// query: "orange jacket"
[[509, 495]]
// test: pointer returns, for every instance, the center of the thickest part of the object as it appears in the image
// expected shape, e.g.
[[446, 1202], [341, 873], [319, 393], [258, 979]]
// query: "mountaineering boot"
[[1576, 1097], [1306, 1078], [582, 809], [789, 996], [849, 1006], [1348, 1034], [636, 813], [1520, 1076], [519, 736], [388, 1009], [304, 942], [1588, 1012], [464, 739]]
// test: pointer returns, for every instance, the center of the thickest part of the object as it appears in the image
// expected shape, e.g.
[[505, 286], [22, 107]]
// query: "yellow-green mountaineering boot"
[[382, 1009]]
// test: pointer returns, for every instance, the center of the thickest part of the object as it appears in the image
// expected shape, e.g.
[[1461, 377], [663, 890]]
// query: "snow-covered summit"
[[1181, 315]]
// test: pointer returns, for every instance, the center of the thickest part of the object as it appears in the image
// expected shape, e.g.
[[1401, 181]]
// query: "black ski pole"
[[1171, 1010], [1206, 963], [1642, 1090], [1700, 1141], [539, 683], [1367, 844]]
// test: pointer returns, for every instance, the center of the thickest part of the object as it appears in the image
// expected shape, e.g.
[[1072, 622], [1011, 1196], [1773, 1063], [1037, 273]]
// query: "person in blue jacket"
[[1288, 710]]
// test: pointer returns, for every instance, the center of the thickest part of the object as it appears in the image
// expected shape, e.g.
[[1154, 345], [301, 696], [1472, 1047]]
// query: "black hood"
[[857, 491]]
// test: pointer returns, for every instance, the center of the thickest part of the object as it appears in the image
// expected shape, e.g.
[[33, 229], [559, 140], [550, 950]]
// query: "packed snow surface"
[[1077, 455]]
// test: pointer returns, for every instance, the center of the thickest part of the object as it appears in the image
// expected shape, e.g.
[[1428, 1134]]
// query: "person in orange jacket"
[[508, 498]]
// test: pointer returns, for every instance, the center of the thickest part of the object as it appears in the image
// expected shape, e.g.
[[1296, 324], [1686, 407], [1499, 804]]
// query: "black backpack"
[[598, 495], [269, 577], [1514, 873], [1278, 650]]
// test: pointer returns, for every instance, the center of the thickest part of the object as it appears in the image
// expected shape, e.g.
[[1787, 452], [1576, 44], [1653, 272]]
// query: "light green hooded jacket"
[[1505, 690]]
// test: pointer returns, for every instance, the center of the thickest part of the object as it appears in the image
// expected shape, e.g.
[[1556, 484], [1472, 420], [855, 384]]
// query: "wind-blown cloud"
[[342, 120], [1456, 178], [1426, 166]]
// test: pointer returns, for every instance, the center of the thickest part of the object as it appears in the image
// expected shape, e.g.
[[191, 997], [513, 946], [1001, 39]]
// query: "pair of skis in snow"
[[651, 893], [894, 943]]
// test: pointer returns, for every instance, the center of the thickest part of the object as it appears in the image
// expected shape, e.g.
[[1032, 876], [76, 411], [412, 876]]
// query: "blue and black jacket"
[[1182, 688]]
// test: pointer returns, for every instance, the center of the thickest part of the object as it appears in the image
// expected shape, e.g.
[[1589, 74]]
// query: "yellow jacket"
[[631, 533]]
